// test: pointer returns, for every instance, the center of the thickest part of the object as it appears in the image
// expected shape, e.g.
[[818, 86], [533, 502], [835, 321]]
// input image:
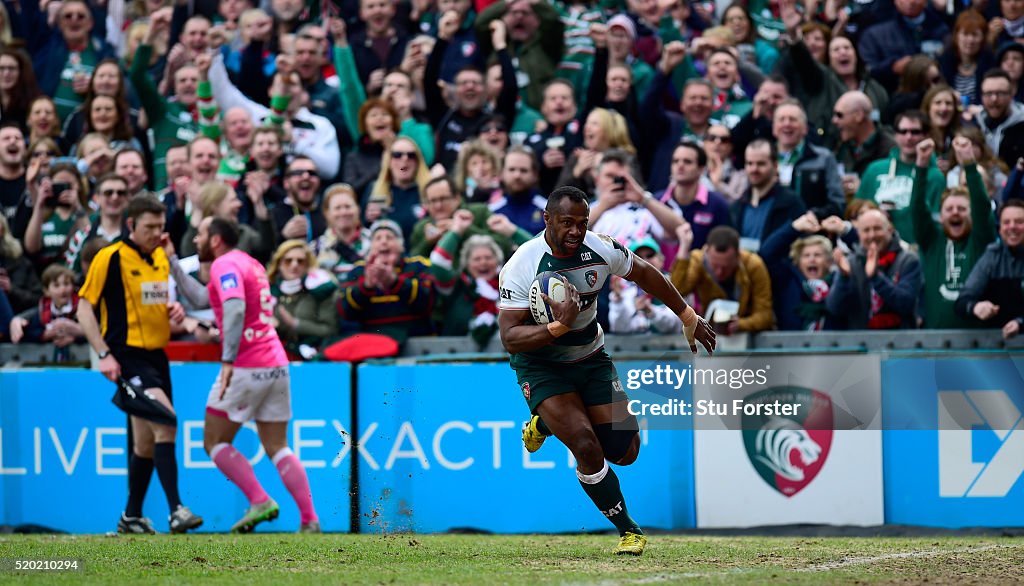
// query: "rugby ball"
[[551, 284]]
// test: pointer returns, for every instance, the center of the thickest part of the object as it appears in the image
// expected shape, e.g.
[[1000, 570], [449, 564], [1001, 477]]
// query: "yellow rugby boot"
[[631, 544], [532, 438]]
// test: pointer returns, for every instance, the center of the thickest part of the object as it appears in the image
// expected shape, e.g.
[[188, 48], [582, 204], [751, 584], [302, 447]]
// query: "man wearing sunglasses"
[[299, 215], [860, 141], [111, 195], [889, 182]]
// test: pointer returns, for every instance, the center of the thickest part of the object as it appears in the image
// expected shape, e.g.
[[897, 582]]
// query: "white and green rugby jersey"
[[598, 257]]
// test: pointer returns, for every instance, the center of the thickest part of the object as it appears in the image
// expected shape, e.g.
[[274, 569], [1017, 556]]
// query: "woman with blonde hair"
[[604, 129], [396, 193], [220, 200], [345, 240], [478, 171], [305, 294]]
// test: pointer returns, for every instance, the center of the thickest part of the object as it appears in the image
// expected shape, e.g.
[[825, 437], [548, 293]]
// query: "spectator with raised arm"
[[889, 182], [799, 260], [662, 130], [603, 130], [818, 85], [888, 46], [536, 37], [173, 122], [951, 247], [444, 204], [311, 135], [625, 210], [879, 282], [59, 196]]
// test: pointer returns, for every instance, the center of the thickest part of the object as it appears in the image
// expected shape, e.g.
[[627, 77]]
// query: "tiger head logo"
[[789, 452]]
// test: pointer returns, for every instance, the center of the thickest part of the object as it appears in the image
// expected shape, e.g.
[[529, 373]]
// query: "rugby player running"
[[253, 381], [584, 406]]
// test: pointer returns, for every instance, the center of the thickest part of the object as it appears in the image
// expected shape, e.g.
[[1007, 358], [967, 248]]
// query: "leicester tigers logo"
[[788, 452], [591, 277]]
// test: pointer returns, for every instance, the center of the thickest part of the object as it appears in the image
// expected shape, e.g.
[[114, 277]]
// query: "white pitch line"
[[898, 556], [827, 567]]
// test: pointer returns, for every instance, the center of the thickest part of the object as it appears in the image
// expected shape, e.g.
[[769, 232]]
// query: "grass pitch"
[[521, 559]]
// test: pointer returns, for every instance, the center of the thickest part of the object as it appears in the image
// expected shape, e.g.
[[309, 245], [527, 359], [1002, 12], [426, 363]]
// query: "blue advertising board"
[[441, 449], [63, 459], [953, 444]]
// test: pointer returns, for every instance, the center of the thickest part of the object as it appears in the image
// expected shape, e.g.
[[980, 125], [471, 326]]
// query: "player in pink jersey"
[[253, 381]]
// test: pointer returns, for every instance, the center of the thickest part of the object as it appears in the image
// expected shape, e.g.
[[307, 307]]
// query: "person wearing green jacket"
[[952, 246], [173, 122], [889, 182]]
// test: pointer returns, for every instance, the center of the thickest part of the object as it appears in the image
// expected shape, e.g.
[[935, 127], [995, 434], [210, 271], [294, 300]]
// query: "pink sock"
[[294, 477], [238, 470]]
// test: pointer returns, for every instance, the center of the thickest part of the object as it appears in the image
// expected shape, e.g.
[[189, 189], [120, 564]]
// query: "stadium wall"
[[439, 450]]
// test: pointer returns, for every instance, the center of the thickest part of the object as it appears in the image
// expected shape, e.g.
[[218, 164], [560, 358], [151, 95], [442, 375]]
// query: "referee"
[[124, 312]]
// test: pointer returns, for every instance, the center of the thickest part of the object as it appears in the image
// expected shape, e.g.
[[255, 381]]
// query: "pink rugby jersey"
[[236, 274]]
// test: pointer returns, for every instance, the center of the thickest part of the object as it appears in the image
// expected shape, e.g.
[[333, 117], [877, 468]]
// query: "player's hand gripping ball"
[[555, 287]]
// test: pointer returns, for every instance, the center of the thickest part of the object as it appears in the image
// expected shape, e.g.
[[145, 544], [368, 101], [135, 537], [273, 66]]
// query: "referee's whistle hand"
[[110, 368]]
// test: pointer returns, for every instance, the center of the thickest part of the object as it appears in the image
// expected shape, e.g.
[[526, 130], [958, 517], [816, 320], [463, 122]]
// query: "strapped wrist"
[[557, 329], [688, 317]]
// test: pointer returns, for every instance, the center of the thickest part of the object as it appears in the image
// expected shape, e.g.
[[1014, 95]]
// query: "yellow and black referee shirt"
[[130, 291]]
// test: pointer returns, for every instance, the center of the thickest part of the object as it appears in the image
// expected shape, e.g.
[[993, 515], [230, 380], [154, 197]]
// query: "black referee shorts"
[[146, 369]]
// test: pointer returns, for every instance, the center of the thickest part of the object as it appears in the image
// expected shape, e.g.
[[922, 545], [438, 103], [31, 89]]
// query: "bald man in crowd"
[[860, 140], [879, 282]]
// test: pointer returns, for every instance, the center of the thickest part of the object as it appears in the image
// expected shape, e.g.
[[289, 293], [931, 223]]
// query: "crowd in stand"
[[789, 165]]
